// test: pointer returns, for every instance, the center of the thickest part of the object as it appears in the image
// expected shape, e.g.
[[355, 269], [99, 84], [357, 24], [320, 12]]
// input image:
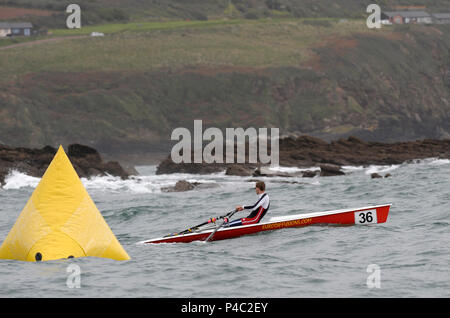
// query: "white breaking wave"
[[433, 161], [380, 169], [352, 168], [149, 182], [135, 184], [388, 168], [116, 184], [17, 180], [291, 169], [139, 184]]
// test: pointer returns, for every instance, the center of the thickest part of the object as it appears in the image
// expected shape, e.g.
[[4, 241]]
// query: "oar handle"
[[228, 215]]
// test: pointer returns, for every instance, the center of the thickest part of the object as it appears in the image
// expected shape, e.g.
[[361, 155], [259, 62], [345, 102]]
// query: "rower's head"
[[260, 187]]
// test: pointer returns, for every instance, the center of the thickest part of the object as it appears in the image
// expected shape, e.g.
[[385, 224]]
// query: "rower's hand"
[[239, 208]]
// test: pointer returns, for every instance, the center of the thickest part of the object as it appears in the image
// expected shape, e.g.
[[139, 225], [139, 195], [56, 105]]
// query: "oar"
[[189, 230], [229, 215]]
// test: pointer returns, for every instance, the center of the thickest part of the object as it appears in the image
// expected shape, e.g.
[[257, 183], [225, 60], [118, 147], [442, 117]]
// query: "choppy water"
[[411, 248]]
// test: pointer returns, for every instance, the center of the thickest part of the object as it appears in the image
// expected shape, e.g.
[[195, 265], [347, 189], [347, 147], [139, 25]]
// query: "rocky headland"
[[307, 151], [34, 162]]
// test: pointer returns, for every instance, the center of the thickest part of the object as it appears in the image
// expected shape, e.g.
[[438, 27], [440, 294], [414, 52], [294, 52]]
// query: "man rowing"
[[259, 209]]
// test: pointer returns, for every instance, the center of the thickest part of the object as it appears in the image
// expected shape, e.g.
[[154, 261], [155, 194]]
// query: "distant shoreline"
[[301, 152], [306, 151]]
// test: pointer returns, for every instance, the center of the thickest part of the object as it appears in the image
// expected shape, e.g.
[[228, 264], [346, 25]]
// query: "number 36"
[[365, 217]]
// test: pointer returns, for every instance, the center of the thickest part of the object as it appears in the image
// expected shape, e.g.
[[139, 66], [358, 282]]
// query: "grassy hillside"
[[127, 91], [95, 12], [260, 43]]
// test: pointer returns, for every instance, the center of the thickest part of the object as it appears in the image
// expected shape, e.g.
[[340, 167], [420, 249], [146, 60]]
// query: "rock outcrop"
[[183, 185], [239, 170], [180, 186], [327, 170], [307, 151], [34, 162]]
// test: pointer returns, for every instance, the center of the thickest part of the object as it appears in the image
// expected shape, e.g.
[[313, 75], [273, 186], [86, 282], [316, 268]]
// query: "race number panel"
[[366, 217]]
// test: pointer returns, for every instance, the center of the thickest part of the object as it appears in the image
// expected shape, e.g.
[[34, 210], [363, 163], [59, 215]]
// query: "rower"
[[259, 209]]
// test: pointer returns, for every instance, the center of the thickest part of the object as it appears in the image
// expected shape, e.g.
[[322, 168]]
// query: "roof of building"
[[408, 14], [19, 25], [441, 15]]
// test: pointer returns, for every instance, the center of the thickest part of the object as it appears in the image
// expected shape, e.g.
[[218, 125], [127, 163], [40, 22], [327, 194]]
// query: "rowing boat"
[[358, 216]]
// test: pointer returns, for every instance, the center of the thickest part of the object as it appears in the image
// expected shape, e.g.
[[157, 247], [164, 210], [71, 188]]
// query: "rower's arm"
[[245, 207], [256, 205]]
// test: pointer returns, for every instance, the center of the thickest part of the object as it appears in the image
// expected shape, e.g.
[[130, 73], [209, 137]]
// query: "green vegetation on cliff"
[[127, 91], [293, 64], [263, 43]]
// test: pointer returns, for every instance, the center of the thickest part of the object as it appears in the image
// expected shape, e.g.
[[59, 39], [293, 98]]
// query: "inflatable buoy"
[[60, 220]]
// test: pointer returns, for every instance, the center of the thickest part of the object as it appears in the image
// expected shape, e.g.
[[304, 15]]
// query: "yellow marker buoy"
[[60, 220]]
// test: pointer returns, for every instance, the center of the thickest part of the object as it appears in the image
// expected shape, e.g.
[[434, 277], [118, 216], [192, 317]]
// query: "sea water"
[[410, 251]]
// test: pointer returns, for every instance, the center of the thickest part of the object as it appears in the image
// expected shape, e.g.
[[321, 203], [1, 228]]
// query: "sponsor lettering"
[[292, 223]]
